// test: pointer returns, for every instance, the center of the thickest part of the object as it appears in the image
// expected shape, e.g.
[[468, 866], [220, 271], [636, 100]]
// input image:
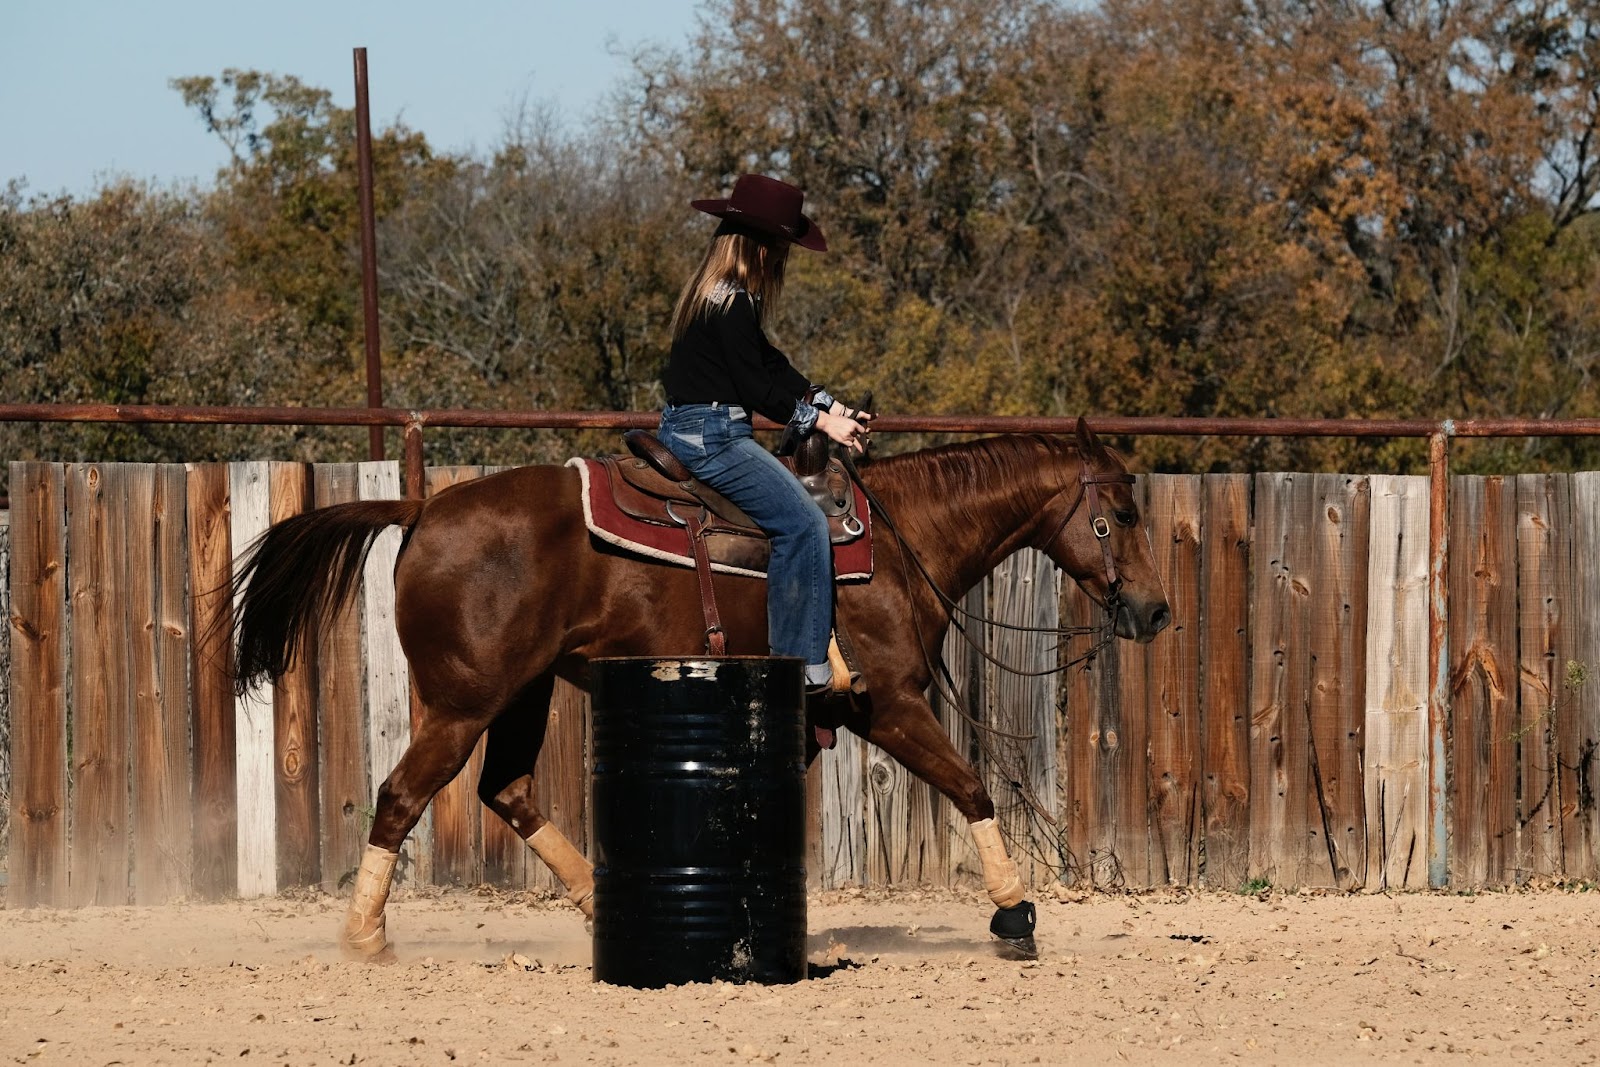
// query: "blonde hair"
[[738, 258]]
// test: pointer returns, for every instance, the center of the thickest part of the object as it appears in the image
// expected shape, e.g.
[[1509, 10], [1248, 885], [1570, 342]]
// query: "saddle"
[[650, 504], [645, 502]]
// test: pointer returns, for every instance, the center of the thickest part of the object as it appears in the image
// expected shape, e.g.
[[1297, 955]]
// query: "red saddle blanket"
[[629, 505]]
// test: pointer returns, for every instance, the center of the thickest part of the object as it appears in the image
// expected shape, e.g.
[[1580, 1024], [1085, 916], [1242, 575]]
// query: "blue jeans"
[[716, 443]]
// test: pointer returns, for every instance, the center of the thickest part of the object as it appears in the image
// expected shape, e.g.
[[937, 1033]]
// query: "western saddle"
[[656, 488]]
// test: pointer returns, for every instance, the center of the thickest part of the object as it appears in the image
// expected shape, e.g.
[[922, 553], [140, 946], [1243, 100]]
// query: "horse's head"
[[1095, 533]]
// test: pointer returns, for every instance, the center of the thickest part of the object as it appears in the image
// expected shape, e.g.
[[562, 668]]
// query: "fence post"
[[415, 488], [1438, 649]]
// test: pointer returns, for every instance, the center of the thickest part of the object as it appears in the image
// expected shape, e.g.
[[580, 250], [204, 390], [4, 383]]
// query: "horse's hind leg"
[[436, 755], [507, 787]]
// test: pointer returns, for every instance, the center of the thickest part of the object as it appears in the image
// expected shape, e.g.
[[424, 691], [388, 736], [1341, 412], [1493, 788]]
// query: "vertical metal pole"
[[1438, 651], [415, 487], [369, 251]]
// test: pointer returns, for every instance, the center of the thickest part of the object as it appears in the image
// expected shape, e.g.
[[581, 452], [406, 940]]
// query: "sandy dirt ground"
[[898, 977]]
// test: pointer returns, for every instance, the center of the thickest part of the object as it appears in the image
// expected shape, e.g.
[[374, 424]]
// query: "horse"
[[500, 588]]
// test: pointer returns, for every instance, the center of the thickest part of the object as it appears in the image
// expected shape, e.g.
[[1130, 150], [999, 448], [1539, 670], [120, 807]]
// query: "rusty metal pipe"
[[415, 488], [625, 420], [308, 416], [369, 252], [1438, 653]]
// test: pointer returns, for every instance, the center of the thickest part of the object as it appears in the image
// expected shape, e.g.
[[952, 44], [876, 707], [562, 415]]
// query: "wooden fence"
[[1277, 731]]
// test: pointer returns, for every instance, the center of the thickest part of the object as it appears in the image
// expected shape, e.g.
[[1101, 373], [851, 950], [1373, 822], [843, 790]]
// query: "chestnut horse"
[[500, 589]]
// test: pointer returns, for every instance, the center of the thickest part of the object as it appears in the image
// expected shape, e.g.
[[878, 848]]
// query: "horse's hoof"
[[1020, 948], [370, 947], [362, 954], [1014, 927]]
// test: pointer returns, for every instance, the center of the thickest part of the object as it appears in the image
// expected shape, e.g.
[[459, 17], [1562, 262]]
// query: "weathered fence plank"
[[1093, 783], [1547, 641], [1225, 656], [158, 649], [899, 822], [1483, 694], [1282, 585], [1125, 718], [1580, 745], [1336, 699], [216, 803], [254, 728], [294, 706], [39, 641], [1174, 521], [844, 812], [96, 565], [346, 791], [1397, 685]]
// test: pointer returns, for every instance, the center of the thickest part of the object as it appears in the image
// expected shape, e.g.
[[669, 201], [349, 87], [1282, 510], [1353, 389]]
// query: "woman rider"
[[722, 369]]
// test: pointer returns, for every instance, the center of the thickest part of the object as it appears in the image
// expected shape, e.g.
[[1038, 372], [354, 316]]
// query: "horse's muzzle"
[[1141, 622]]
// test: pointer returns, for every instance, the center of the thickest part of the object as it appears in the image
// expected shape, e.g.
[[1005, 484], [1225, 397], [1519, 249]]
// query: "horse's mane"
[[969, 477], [974, 464]]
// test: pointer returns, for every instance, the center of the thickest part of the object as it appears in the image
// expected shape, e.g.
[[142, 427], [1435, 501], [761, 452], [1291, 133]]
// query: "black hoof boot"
[[1014, 926]]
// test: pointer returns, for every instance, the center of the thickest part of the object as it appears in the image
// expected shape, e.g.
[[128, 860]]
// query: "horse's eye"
[[1125, 517]]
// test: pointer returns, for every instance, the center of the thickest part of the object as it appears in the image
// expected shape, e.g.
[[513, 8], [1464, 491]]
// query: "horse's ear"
[[1088, 443]]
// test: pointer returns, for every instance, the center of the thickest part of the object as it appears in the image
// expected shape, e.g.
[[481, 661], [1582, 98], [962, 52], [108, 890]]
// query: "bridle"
[[1087, 490]]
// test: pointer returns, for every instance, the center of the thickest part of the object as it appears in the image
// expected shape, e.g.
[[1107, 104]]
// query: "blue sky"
[[84, 93]]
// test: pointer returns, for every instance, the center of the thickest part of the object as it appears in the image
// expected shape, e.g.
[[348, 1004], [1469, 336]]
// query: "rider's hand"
[[845, 431], [863, 417]]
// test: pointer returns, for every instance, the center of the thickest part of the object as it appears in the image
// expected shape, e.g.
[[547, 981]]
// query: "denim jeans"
[[717, 445]]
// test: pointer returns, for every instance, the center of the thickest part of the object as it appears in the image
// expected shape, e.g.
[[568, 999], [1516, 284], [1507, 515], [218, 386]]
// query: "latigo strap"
[[716, 640]]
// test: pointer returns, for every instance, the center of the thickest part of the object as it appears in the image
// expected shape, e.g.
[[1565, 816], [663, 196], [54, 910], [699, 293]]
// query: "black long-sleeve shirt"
[[724, 357]]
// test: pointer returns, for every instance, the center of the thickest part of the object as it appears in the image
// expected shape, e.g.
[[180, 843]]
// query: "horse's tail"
[[302, 571]]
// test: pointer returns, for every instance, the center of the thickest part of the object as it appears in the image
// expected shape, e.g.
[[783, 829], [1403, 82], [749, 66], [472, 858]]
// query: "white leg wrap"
[[567, 864], [363, 922], [1000, 875]]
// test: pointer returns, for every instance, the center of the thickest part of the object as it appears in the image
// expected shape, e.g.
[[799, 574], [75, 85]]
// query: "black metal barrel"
[[699, 820]]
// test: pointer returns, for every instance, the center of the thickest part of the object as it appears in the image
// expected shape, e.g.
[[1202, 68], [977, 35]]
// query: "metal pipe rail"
[[1437, 432], [1160, 426]]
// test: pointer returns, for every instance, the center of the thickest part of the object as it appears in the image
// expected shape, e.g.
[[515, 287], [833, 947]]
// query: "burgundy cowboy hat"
[[769, 205]]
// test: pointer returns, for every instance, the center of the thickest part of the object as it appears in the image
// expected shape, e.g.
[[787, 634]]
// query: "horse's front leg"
[[436, 754], [902, 723]]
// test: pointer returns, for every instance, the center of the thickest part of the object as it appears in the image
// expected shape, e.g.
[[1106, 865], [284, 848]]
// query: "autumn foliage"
[[1174, 207]]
